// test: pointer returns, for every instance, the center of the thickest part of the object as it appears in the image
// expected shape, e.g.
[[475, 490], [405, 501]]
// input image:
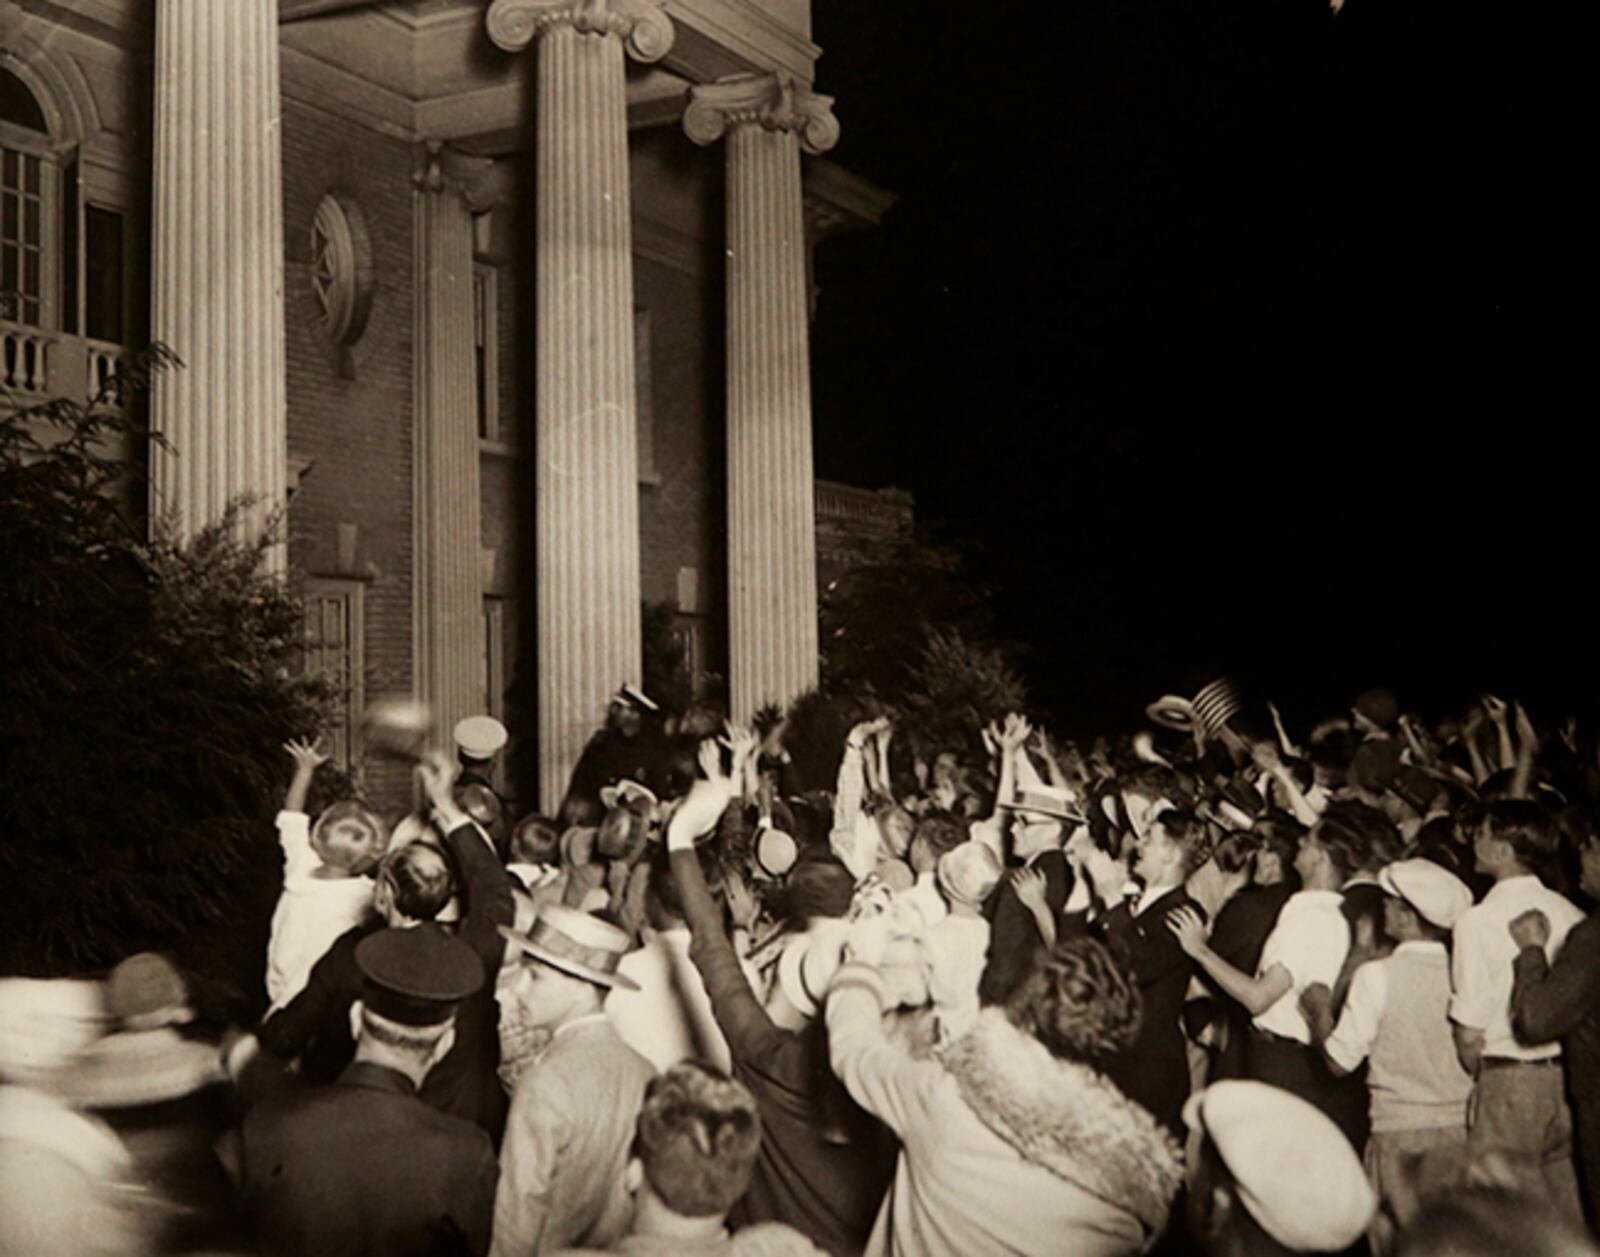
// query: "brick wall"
[[349, 411]]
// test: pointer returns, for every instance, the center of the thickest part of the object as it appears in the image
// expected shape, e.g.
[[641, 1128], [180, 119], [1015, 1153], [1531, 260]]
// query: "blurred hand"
[[1495, 707], [1029, 886], [1526, 734], [438, 772], [868, 939], [1530, 929], [742, 742], [1189, 928], [1266, 757]]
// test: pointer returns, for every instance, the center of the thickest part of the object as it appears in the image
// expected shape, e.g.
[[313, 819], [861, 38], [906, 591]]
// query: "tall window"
[[335, 630], [28, 184]]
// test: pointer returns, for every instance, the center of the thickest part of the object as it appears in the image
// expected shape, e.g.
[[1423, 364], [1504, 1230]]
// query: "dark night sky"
[[1239, 336]]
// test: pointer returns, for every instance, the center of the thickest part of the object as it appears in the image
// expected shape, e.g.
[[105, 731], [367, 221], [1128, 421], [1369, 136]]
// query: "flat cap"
[[1437, 894], [416, 976], [1294, 1170]]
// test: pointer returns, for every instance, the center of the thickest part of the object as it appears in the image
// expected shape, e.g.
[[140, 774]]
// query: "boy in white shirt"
[[1519, 1102], [956, 948], [326, 889]]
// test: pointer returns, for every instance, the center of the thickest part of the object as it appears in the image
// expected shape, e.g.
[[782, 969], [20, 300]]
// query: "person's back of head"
[[1358, 837], [350, 837], [1234, 851], [698, 1136], [936, 834], [535, 840], [418, 880], [1525, 827], [1077, 1001]]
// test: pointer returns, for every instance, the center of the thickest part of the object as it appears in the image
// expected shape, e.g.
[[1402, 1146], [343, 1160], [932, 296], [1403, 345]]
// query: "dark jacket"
[[364, 1167], [1562, 1001], [1154, 1070], [1013, 934], [315, 1025], [824, 1163]]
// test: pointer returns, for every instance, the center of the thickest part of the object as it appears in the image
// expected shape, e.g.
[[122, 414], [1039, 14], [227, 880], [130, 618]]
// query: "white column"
[[218, 263], [447, 530], [772, 552], [586, 484]]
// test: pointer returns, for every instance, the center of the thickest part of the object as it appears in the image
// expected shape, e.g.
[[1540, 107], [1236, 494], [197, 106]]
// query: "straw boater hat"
[[577, 944], [1210, 709], [1046, 800], [626, 793]]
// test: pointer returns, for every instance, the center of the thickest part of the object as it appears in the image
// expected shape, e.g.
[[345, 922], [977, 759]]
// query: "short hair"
[[1357, 836], [1235, 850], [535, 840], [819, 886], [1153, 781], [1189, 832], [353, 817], [395, 1034], [1077, 1001], [941, 831], [698, 1136], [422, 879], [1528, 827]]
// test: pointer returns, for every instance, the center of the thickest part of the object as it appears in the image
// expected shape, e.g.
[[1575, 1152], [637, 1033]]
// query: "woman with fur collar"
[[1012, 1141]]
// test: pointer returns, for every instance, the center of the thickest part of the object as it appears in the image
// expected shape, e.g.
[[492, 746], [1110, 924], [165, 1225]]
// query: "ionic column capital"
[[642, 25], [765, 100], [481, 182]]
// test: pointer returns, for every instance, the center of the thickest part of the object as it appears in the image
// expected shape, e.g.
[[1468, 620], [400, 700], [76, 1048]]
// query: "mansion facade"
[[509, 302]]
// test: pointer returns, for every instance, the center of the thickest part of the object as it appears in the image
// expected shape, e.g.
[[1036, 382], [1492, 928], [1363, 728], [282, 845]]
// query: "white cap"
[[633, 696], [480, 737], [1438, 895], [1294, 1169]]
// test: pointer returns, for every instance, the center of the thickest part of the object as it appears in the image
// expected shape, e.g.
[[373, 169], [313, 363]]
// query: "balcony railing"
[[877, 513], [39, 366]]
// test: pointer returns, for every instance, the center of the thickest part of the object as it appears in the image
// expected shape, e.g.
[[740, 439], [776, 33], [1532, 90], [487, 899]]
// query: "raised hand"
[[438, 772], [1266, 757], [1527, 736], [1530, 929], [742, 741], [709, 757], [1016, 731], [1189, 928], [306, 753], [1495, 707]]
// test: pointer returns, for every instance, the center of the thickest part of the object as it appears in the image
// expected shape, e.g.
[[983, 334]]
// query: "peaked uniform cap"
[[480, 737], [1048, 800], [417, 976]]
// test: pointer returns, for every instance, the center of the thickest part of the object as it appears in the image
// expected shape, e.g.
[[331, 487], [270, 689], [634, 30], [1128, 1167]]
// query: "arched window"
[[29, 183]]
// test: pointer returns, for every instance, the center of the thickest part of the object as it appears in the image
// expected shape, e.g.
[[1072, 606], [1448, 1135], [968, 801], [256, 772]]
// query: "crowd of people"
[[1204, 989]]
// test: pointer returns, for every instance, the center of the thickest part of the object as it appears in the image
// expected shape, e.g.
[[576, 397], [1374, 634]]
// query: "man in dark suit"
[[1037, 816], [363, 1166], [1154, 1071]]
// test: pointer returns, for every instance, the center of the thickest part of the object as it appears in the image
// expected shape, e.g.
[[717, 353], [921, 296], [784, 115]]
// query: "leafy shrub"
[[146, 689]]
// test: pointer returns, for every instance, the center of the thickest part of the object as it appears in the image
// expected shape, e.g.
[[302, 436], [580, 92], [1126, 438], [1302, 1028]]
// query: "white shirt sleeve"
[[1473, 976], [1353, 1037], [294, 836]]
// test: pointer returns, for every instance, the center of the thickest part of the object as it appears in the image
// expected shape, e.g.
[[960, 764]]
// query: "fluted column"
[[447, 533], [587, 510], [772, 551], [218, 262]]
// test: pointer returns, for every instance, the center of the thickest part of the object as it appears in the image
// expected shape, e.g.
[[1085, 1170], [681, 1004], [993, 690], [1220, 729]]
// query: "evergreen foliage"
[[146, 689]]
